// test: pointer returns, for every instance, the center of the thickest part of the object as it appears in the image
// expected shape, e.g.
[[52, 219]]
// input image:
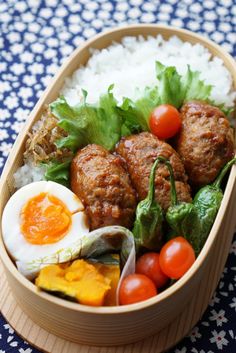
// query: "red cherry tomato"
[[148, 265], [176, 257], [136, 288], [165, 121]]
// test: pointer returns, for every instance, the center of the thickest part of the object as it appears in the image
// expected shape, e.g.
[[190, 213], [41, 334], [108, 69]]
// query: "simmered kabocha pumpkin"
[[111, 270], [88, 283]]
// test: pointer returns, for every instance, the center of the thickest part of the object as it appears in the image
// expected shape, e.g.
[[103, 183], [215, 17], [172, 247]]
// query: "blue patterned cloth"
[[36, 37]]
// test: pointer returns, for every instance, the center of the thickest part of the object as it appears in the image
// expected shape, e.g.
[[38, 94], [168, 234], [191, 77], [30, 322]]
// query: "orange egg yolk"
[[45, 219]]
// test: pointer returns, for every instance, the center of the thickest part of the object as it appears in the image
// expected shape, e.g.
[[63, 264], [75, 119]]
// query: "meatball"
[[99, 179], [205, 142], [140, 151]]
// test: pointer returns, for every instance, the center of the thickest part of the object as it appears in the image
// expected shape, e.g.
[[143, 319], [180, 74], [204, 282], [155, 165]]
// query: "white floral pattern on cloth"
[[35, 38]]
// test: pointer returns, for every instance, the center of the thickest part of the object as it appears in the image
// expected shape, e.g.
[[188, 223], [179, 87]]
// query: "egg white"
[[16, 244]]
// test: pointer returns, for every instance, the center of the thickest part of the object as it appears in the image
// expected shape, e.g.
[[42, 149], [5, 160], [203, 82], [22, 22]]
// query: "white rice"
[[130, 66], [27, 174]]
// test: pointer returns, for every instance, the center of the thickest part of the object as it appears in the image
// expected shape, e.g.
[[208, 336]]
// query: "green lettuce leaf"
[[170, 88], [87, 123], [76, 121], [108, 122], [59, 172], [147, 103], [134, 120], [175, 89], [193, 87]]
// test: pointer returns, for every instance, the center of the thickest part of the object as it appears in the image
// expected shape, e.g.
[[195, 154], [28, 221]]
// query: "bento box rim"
[[210, 241]]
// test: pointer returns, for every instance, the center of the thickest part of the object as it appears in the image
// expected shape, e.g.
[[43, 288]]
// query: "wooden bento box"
[[124, 324]]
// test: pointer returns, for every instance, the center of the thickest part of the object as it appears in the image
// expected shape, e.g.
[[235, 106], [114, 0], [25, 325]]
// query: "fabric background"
[[35, 38]]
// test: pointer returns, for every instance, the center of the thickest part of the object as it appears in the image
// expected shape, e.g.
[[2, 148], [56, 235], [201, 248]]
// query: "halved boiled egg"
[[40, 219]]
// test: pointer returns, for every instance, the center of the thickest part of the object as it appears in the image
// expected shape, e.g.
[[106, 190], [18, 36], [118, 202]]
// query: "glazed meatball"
[[99, 179], [205, 142], [140, 151]]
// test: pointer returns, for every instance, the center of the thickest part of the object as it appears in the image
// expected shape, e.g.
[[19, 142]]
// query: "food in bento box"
[[40, 218], [101, 181], [113, 144], [88, 282], [140, 151], [205, 142]]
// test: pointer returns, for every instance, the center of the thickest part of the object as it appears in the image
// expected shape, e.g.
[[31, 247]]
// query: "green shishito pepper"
[[182, 217], [194, 220], [147, 228], [207, 201]]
